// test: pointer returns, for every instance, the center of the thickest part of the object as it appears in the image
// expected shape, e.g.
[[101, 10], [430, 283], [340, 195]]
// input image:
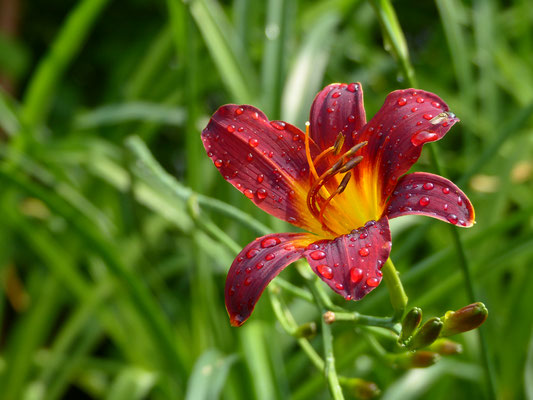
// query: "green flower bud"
[[360, 388], [446, 347], [427, 334], [419, 359], [410, 323], [465, 319], [307, 330]]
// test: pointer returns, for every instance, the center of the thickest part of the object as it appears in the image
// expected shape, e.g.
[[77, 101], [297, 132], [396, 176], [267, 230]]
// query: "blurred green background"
[[114, 242]]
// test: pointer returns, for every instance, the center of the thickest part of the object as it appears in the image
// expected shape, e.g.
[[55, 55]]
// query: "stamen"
[[312, 168], [339, 190], [339, 142], [355, 148], [350, 164]]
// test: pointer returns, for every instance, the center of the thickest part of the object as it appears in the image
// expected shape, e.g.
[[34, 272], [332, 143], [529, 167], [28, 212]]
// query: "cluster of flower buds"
[[360, 388], [432, 334]]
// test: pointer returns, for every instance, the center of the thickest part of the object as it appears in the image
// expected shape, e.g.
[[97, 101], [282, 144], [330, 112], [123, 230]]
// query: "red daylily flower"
[[342, 173]]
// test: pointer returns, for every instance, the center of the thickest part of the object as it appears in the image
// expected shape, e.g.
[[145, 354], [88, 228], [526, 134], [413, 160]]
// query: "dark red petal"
[[408, 119], [337, 108], [431, 195], [264, 159], [351, 264], [255, 266]]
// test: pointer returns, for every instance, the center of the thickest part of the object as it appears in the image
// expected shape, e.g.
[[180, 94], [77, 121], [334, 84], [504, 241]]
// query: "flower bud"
[[427, 334], [446, 347], [419, 359], [410, 323], [360, 388], [465, 319], [307, 330]]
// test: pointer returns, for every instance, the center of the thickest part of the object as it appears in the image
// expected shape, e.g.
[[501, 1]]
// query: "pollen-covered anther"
[[339, 142], [338, 191], [351, 164]]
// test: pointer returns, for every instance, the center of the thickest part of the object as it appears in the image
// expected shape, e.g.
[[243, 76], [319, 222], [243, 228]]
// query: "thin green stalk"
[[362, 319], [393, 31], [398, 298]]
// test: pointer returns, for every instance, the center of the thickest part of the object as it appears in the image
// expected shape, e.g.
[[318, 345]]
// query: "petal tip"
[[236, 320]]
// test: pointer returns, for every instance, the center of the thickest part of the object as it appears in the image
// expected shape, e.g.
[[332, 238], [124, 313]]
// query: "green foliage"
[[116, 231]]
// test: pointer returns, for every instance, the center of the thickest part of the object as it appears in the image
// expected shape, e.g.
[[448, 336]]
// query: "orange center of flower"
[[327, 187]]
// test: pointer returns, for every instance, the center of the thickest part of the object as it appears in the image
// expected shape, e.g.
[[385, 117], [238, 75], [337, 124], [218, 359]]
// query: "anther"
[[344, 183], [339, 190], [355, 148], [350, 164], [339, 142]]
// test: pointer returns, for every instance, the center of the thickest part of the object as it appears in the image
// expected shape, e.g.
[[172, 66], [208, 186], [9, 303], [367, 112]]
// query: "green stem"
[[398, 298], [362, 319]]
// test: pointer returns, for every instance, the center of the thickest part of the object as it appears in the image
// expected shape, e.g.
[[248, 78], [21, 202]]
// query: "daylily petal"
[[432, 195], [408, 119], [264, 159], [351, 264], [338, 108], [255, 266]]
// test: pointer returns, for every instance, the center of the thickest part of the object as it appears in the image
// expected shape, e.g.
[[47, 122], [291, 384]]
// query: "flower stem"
[[398, 298], [362, 319]]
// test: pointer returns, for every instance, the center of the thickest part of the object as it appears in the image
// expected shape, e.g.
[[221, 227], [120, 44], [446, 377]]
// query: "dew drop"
[[414, 109], [231, 128], [339, 286], [372, 282], [325, 271], [259, 265], [262, 194], [459, 201], [317, 255], [363, 235], [269, 242], [248, 270], [435, 104], [423, 137], [352, 87], [336, 95], [364, 252], [255, 115], [231, 291], [280, 125], [420, 100], [452, 218], [428, 186], [402, 101], [249, 193], [247, 281], [427, 116], [351, 118], [239, 111], [270, 256], [252, 252], [424, 201], [330, 109], [445, 190], [253, 142], [218, 163], [260, 178], [250, 157], [356, 274]]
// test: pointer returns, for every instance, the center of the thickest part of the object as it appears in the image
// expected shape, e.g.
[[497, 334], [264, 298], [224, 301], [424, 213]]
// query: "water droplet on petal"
[[372, 282], [250, 157], [249, 193], [270, 256], [445, 190], [364, 252], [317, 255], [459, 201], [280, 125], [424, 201], [356, 274], [339, 286], [218, 163], [428, 186], [259, 265], [247, 281], [330, 109], [262, 194], [423, 137], [452, 218], [269, 242], [427, 116], [231, 128], [252, 252], [352, 87], [239, 111], [435, 104], [336, 95], [253, 142], [420, 100], [402, 101], [325, 271]]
